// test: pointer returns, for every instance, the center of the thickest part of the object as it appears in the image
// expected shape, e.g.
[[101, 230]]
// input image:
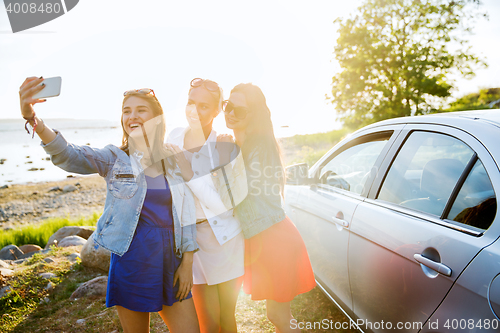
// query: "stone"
[[55, 188], [19, 261], [10, 252], [69, 188], [27, 248], [49, 287], [5, 290], [45, 300], [5, 186], [80, 321], [3, 264], [48, 260], [93, 288], [73, 256], [95, 257], [83, 232], [6, 272], [72, 241], [47, 275]]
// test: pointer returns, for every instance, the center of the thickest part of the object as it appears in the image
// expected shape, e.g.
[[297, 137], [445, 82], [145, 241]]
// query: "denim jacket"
[[253, 191], [126, 191]]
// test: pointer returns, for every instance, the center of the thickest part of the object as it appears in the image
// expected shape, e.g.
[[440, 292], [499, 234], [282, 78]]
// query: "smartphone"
[[52, 88]]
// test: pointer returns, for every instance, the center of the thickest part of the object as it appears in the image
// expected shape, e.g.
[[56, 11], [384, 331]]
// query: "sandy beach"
[[22, 204]]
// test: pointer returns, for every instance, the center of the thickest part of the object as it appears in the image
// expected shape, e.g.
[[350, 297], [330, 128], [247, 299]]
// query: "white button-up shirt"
[[224, 225]]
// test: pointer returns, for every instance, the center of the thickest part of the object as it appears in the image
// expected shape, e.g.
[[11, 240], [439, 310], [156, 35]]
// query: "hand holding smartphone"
[[52, 88]]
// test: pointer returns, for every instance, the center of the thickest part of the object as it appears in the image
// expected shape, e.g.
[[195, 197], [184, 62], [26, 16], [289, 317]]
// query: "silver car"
[[400, 223]]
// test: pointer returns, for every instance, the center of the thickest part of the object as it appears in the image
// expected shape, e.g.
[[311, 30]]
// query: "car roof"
[[491, 116]]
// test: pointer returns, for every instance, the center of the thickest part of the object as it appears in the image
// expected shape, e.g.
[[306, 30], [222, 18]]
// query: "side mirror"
[[297, 174]]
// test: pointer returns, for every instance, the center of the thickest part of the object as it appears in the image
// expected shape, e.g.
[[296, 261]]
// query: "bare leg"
[[206, 300], [133, 321], [181, 317], [228, 296], [280, 315]]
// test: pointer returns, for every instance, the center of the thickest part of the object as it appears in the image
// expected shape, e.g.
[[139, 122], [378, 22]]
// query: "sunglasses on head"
[[144, 91], [240, 112], [209, 84]]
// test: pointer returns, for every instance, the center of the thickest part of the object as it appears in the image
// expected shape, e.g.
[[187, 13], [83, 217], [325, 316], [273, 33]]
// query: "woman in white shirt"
[[218, 265]]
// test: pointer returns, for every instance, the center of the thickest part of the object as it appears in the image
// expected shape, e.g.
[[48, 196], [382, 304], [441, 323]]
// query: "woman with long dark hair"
[[277, 266]]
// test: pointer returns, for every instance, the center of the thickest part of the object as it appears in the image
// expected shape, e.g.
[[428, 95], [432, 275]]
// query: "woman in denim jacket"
[[277, 266], [148, 221]]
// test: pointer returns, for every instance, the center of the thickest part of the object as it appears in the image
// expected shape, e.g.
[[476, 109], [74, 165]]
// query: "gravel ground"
[[34, 202]]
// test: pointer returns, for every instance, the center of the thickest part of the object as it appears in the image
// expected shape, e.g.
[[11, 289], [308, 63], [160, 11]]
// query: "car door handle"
[[340, 222], [437, 266]]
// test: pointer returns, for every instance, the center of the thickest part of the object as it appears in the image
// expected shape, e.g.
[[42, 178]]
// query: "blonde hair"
[[219, 96]]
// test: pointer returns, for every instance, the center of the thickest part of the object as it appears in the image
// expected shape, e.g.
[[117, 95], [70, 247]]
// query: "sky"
[[102, 48]]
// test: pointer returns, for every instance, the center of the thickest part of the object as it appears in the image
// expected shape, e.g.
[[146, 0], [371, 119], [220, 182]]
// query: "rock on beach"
[[97, 258], [28, 248], [10, 252], [93, 288], [83, 232], [71, 241]]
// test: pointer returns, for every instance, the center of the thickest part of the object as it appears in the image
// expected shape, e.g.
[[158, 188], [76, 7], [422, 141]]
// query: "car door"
[[405, 252], [323, 210]]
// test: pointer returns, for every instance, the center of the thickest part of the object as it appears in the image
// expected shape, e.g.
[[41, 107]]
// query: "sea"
[[23, 160]]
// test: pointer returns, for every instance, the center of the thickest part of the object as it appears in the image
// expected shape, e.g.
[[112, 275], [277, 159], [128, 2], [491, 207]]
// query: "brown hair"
[[158, 147], [260, 136]]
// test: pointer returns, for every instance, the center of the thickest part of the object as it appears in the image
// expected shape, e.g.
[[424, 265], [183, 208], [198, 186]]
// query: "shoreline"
[[24, 204]]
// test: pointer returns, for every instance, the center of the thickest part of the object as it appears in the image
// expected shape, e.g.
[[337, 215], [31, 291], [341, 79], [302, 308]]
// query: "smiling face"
[[202, 107], [136, 111], [238, 100]]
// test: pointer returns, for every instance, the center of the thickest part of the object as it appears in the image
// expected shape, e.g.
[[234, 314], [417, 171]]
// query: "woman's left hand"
[[182, 162], [184, 274]]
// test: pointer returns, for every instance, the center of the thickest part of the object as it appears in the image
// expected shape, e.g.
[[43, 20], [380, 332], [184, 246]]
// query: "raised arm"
[[26, 92], [67, 156]]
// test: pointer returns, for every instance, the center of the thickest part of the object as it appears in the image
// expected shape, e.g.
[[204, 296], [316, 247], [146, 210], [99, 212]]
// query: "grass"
[[21, 311], [40, 233]]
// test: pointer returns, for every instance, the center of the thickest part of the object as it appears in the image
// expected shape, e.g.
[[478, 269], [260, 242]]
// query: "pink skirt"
[[277, 265]]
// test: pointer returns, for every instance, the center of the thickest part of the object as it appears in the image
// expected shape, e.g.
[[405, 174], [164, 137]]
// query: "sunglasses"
[[144, 91], [240, 112], [209, 84]]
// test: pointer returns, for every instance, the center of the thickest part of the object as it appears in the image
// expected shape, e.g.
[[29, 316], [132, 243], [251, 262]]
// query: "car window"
[[425, 172], [350, 169], [476, 203]]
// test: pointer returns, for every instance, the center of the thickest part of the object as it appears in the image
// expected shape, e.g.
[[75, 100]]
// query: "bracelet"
[[43, 122], [28, 120]]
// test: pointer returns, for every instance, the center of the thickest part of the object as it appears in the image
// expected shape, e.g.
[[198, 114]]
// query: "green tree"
[[484, 99], [397, 55]]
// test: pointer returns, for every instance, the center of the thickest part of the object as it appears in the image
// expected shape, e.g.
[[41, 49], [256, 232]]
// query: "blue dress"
[[142, 279]]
